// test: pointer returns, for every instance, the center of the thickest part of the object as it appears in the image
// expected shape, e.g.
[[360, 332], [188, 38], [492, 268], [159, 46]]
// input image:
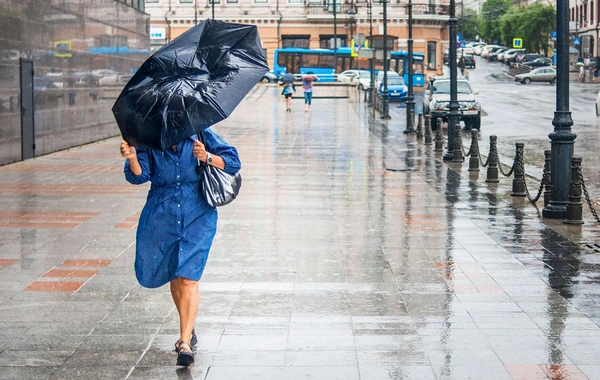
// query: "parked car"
[[509, 56], [469, 61], [493, 56], [437, 102], [527, 57], [347, 76], [364, 80], [470, 47], [539, 62], [269, 77], [487, 49], [542, 74], [397, 89], [114, 80], [379, 77], [100, 73], [360, 78]]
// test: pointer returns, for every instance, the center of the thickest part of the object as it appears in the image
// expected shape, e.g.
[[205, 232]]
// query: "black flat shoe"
[[185, 355]]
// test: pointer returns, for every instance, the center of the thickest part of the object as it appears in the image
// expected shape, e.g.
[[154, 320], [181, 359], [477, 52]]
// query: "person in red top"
[[307, 86]]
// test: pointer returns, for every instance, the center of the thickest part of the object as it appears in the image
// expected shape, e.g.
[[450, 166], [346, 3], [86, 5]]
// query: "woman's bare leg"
[[187, 299]]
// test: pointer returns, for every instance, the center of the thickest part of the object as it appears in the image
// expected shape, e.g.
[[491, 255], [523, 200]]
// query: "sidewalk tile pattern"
[[328, 266]]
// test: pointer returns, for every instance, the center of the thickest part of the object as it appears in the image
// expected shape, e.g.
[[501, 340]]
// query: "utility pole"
[[385, 112], [371, 62], [334, 36], [410, 98]]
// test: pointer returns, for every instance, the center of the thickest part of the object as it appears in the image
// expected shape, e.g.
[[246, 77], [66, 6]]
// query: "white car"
[[348, 76], [114, 80], [470, 47]]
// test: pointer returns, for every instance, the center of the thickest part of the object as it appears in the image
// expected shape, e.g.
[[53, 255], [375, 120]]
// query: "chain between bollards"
[[439, 137], [428, 137], [547, 176], [587, 195]]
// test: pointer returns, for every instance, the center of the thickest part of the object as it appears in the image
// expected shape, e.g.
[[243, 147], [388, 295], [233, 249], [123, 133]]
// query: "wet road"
[[524, 113]]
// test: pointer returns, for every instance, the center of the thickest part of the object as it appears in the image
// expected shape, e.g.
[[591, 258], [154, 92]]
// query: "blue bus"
[[320, 61]]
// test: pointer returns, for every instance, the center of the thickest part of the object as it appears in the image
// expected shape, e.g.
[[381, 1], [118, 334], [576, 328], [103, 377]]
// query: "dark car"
[[527, 57], [469, 61], [269, 77], [539, 62]]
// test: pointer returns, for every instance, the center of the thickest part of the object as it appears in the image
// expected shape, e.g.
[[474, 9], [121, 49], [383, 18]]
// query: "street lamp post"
[[385, 112], [562, 139], [195, 12], [334, 36], [453, 113], [212, 5], [371, 61], [410, 98]]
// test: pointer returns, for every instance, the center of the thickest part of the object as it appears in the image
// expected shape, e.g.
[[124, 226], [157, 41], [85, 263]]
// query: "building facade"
[[584, 24], [311, 23], [62, 64]]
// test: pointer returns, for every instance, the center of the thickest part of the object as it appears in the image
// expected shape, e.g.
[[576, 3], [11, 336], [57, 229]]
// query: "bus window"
[[400, 67], [418, 66], [282, 59], [310, 60], [325, 61]]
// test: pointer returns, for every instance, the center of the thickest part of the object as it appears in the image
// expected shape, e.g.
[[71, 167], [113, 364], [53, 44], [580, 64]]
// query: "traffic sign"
[[517, 43], [553, 35], [458, 37], [359, 39], [576, 41]]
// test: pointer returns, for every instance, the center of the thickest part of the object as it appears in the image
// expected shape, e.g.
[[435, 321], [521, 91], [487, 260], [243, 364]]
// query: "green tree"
[[491, 12], [468, 23], [536, 24], [510, 25]]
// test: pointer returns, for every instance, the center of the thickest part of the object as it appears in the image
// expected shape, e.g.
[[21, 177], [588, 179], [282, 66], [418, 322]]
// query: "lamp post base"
[[555, 210]]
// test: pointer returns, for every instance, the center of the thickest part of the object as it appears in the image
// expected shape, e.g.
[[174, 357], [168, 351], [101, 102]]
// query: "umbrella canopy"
[[191, 83], [287, 78], [579, 64]]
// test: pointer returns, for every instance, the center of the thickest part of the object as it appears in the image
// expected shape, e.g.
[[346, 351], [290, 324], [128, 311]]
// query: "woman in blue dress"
[[177, 226]]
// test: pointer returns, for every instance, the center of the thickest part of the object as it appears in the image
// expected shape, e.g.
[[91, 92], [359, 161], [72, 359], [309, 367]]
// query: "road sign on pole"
[[517, 43]]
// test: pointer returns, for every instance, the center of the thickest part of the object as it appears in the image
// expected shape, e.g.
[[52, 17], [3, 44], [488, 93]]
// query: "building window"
[[291, 40], [151, 1], [232, 1], [261, 1], [431, 55], [295, 1], [326, 41], [186, 1]]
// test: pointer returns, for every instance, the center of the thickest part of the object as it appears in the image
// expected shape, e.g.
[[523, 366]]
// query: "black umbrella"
[[287, 78], [191, 83]]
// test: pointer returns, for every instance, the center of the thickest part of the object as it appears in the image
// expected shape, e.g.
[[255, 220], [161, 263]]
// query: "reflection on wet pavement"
[[353, 252]]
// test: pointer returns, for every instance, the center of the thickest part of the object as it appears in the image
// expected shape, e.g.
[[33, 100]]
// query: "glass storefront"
[[82, 53]]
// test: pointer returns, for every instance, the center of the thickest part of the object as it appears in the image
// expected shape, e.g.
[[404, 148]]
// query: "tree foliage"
[[491, 12], [468, 22]]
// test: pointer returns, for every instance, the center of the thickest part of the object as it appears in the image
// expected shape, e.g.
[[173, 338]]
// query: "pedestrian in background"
[[462, 65], [307, 86], [177, 226], [288, 91]]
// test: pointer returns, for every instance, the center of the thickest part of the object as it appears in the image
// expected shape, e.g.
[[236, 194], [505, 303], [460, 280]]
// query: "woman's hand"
[[199, 151], [127, 151]]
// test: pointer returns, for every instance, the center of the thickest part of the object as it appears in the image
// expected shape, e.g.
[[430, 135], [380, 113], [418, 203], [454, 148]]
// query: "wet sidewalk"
[[329, 266]]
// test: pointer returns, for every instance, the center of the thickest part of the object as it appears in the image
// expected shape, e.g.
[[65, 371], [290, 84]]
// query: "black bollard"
[[457, 154], [575, 204], [518, 185], [439, 137], [548, 177], [474, 152], [428, 137], [492, 170], [420, 126]]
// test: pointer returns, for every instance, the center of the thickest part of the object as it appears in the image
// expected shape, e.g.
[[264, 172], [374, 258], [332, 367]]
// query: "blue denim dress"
[[177, 226]]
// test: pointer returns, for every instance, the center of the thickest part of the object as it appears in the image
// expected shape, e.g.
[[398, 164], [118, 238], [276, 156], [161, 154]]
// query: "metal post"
[[212, 3], [334, 36], [428, 129], [410, 98], [562, 138], [474, 152], [195, 12], [575, 204], [420, 126], [385, 114], [492, 169], [518, 184], [439, 137], [457, 155], [453, 114]]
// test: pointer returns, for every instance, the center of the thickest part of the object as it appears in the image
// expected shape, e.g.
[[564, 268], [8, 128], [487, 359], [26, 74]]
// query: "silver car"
[[543, 74]]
